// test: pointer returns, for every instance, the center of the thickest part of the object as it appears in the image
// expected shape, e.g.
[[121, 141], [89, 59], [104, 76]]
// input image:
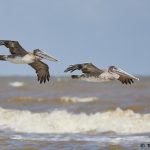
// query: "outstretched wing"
[[87, 68], [14, 47], [125, 80], [42, 71], [125, 77]]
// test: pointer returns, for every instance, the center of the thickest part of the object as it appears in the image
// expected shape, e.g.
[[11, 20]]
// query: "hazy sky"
[[104, 32]]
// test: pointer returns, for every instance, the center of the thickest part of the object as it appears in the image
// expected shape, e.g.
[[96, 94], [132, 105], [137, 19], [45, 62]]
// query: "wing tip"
[[72, 68], [135, 78], [43, 79]]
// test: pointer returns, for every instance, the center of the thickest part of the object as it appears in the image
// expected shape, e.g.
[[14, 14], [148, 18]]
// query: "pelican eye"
[[114, 68]]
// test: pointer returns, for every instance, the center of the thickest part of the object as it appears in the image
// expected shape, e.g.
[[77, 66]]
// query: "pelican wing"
[[125, 77], [14, 47], [42, 71], [87, 68]]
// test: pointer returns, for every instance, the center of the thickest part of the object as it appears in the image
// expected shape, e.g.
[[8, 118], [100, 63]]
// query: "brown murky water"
[[68, 114]]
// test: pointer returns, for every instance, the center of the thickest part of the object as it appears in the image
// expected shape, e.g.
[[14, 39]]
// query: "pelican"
[[20, 56], [93, 74]]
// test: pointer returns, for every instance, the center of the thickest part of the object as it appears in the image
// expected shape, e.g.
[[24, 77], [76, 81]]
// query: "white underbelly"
[[104, 77], [27, 59], [94, 79], [108, 76]]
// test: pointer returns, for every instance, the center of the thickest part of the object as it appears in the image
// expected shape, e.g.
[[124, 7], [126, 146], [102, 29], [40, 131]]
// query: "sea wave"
[[16, 84], [62, 121], [78, 99], [63, 99]]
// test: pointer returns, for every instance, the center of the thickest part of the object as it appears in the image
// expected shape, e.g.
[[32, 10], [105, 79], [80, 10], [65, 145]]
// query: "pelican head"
[[121, 72], [43, 55], [113, 69]]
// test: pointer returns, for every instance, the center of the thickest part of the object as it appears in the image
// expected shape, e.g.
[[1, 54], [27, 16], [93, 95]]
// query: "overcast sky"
[[104, 32]]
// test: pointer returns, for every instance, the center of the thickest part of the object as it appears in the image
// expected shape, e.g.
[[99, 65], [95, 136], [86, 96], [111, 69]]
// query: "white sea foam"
[[78, 99], [16, 84], [103, 139], [59, 121]]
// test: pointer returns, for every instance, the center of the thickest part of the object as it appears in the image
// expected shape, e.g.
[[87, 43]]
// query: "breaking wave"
[[16, 84], [78, 99], [61, 121], [60, 100]]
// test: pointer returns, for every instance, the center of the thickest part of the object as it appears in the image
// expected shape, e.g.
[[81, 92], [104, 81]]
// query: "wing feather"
[[126, 78], [14, 47], [42, 71], [87, 68]]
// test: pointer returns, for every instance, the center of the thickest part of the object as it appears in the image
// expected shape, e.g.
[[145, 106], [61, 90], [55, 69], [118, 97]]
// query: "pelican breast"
[[109, 76], [27, 59]]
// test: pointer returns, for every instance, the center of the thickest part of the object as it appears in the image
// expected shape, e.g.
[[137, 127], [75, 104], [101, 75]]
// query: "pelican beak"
[[124, 73], [45, 55]]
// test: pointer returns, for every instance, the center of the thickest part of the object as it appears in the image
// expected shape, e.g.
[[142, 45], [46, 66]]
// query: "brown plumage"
[[42, 69], [93, 74], [85, 68], [14, 47]]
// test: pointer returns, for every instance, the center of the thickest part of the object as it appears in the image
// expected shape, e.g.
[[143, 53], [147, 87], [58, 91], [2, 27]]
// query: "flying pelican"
[[93, 74], [20, 56]]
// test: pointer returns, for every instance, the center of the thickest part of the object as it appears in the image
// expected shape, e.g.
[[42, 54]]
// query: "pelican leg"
[[78, 76]]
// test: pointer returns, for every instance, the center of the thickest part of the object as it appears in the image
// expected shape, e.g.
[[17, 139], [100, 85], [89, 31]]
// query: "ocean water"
[[74, 115]]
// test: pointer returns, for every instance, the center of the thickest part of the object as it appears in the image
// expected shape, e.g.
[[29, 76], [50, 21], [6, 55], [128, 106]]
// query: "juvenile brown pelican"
[[20, 56], [93, 74]]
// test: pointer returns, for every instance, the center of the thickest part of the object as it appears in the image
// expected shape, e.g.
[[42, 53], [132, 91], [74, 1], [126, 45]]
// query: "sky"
[[102, 32]]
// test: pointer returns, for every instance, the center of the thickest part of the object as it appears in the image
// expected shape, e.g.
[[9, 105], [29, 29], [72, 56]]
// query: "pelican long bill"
[[124, 73], [45, 55]]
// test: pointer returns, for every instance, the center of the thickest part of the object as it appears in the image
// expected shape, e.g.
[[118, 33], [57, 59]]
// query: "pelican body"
[[93, 74], [21, 56], [27, 59]]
